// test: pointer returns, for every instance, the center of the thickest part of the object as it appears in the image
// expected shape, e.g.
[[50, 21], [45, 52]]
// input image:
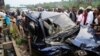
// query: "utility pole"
[[29, 44]]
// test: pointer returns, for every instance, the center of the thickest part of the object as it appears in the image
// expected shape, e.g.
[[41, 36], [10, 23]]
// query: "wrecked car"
[[53, 33]]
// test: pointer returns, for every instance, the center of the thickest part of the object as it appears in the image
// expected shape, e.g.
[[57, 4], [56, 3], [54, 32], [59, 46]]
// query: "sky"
[[26, 2]]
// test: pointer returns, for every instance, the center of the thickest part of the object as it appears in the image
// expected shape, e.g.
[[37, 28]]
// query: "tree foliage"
[[7, 6], [68, 4]]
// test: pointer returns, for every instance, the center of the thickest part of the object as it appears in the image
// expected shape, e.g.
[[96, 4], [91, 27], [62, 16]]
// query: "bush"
[[21, 41]]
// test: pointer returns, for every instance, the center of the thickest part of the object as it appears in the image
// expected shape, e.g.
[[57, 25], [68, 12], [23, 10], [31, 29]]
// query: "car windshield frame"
[[63, 21]]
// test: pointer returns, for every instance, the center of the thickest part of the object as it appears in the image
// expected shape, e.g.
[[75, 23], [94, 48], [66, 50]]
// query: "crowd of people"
[[89, 17], [11, 22], [85, 17]]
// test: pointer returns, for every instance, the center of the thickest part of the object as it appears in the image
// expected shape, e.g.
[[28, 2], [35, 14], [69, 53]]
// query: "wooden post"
[[29, 44]]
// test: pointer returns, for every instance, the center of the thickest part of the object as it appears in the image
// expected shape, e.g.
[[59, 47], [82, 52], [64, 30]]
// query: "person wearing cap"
[[90, 16], [80, 17]]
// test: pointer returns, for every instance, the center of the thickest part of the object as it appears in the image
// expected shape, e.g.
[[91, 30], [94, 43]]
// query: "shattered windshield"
[[63, 21], [58, 23]]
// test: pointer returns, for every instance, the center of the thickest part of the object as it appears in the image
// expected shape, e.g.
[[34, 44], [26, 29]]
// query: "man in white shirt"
[[90, 16]]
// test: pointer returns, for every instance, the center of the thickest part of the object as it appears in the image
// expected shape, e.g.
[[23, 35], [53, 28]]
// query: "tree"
[[7, 6]]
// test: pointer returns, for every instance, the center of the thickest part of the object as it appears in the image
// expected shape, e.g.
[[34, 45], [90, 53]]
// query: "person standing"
[[97, 25], [80, 18], [13, 28], [97, 22], [90, 16], [2, 15], [18, 19], [7, 20], [72, 14], [1, 25]]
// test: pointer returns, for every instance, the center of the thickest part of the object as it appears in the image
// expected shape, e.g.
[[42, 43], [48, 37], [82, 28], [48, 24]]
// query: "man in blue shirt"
[[7, 20]]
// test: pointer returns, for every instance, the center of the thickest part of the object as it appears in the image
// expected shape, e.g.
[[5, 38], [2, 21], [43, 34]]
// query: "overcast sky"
[[25, 2]]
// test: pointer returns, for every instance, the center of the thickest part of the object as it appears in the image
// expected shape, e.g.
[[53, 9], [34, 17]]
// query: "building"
[[1, 4]]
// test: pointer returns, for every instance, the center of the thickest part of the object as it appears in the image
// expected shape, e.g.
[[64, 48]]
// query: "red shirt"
[[85, 17]]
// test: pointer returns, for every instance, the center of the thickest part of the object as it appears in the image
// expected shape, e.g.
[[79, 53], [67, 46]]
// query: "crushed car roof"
[[44, 14], [59, 18]]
